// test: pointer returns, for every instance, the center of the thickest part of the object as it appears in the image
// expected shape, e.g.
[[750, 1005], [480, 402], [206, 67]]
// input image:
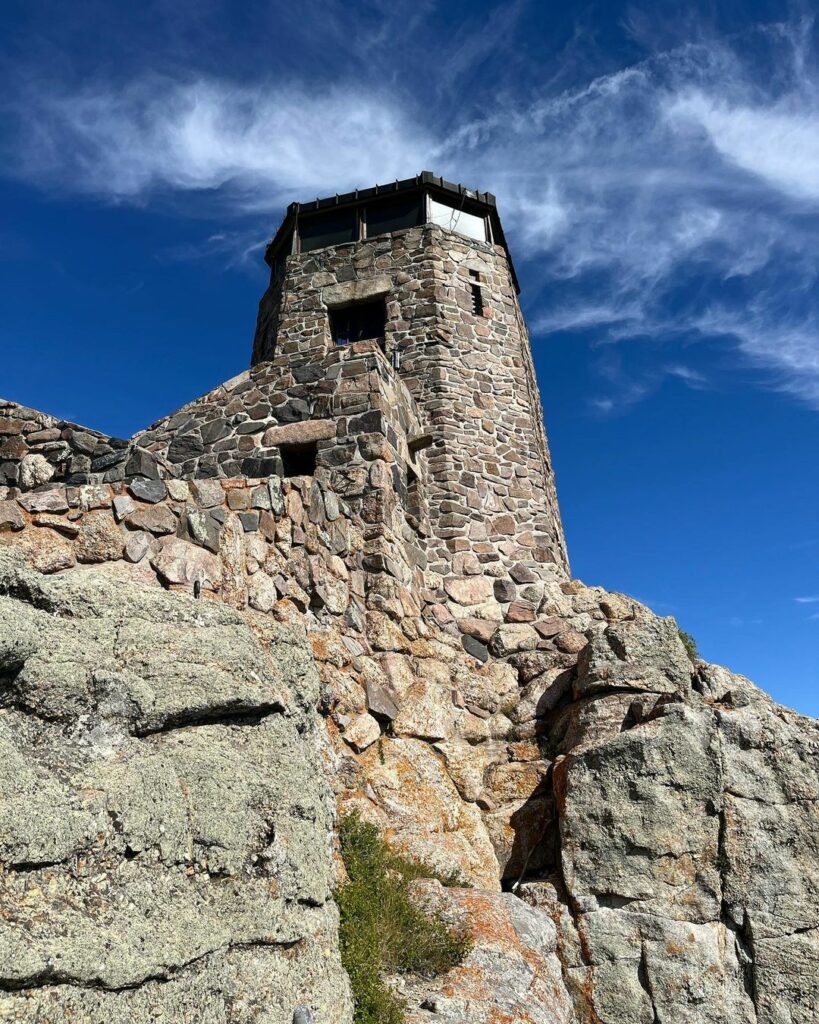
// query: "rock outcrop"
[[687, 840], [166, 828], [659, 824]]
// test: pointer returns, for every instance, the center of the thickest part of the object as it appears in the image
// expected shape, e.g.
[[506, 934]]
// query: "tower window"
[[363, 321], [393, 215], [457, 219], [477, 297], [333, 228], [298, 459]]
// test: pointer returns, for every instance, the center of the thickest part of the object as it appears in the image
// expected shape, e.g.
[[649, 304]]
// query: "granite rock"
[[165, 822]]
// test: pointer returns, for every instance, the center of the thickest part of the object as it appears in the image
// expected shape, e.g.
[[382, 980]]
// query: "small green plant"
[[381, 931], [509, 707], [690, 645]]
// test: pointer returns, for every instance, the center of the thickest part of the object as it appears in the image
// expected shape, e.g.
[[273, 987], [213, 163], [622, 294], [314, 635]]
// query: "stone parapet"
[[238, 428], [36, 448]]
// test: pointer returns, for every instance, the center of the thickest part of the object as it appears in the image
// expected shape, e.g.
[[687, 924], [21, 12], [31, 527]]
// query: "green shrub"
[[690, 645], [381, 931]]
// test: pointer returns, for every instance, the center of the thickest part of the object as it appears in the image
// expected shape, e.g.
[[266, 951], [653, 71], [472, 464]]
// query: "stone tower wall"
[[472, 376], [490, 495]]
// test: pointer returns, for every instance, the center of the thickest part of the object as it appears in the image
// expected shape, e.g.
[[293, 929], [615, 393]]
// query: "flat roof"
[[426, 181]]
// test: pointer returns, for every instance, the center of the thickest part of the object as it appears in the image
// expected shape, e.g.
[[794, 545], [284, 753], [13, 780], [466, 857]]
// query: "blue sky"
[[657, 171]]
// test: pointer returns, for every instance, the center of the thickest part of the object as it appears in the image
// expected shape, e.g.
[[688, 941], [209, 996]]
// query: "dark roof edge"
[[425, 180]]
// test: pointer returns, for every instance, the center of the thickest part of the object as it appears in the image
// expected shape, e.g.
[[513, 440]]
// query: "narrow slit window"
[[477, 296], [364, 321], [298, 459]]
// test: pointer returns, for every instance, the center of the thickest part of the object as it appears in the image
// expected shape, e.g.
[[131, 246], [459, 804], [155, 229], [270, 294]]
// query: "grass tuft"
[[690, 645], [381, 931]]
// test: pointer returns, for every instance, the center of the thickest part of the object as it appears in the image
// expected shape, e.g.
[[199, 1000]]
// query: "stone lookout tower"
[[391, 392], [420, 272]]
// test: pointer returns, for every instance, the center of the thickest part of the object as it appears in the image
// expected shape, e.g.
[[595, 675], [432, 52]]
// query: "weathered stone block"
[[303, 432], [148, 490], [347, 292], [35, 470], [10, 516], [469, 590], [44, 501], [99, 538], [157, 519]]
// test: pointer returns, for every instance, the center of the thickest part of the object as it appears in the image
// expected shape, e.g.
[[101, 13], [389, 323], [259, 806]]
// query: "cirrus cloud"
[[675, 199]]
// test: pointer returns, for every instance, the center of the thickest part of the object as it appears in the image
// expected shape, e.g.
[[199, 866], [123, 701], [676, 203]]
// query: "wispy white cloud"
[[236, 249], [693, 378], [813, 599], [778, 143], [683, 168], [261, 143], [774, 337]]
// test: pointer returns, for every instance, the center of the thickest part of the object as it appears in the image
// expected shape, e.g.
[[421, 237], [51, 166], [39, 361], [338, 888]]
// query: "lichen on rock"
[[165, 825]]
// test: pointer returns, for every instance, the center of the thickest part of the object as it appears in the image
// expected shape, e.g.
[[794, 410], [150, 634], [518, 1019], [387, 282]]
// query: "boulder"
[[362, 732], [647, 655]]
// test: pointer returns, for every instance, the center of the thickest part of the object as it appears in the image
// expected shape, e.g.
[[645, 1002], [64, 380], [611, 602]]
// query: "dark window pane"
[[360, 322], [393, 215], [332, 228]]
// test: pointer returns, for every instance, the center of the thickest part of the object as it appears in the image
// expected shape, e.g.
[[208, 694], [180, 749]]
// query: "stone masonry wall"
[[253, 543], [238, 428], [491, 497], [359, 415], [36, 448]]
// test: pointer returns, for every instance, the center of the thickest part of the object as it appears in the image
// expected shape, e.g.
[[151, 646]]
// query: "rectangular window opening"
[[299, 459], [363, 321], [457, 219], [477, 296], [335, 227], [393, 215]]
